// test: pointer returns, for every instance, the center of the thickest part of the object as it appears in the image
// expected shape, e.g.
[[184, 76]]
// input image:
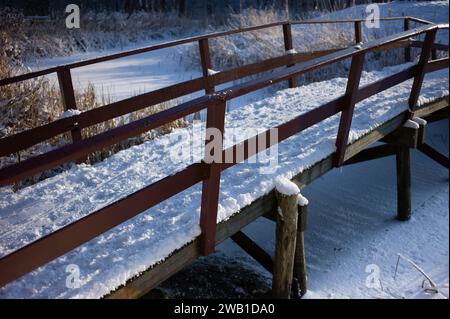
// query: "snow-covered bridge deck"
[[161, 240]]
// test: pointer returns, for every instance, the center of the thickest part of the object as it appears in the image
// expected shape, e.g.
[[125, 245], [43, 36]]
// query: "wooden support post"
[[288, 45], [211, 186], [403, 183], [300, 256], [403, 136], [406, 27], [251, 248], [69, 103], [286, 233], [358, 32], [347, 113], [423, 61]]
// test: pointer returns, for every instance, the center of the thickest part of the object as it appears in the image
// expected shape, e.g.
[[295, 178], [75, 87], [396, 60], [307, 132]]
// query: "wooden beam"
[[406, 27], [434, 155], [288, 45], [256, 252], [422, 64], [69, 103], [351, 95], [211, 186], [372, 153]]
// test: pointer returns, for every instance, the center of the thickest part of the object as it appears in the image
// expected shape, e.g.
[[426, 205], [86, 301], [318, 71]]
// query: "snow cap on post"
[[302, 200], [411, 124], [286, 187]]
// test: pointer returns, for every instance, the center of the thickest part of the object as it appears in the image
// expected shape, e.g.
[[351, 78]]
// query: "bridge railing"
[[53, 245]]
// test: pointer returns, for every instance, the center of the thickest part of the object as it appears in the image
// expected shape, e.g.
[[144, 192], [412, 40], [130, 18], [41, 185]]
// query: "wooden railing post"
[[205, 58], [211, 186], [423, 61], [69, 103], [406, 27], [358, 32], [289, 45], [347, 113]]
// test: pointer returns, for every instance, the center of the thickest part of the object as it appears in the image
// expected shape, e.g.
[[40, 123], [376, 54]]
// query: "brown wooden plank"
[[69, 103], [422, 64], [358, 32], [351, 94], [372, 153], [205, 59], [211, 186], [434, 155], [407, 51], [385, 83], [251, 248], [288, 45], [436, 65]]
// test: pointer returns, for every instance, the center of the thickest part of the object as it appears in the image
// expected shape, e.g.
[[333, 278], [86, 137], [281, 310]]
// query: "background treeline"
[[196, 9]]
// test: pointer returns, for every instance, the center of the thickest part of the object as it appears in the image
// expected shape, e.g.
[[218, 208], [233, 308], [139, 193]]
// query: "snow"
[[69, 113], [286, 187], [302, 200], [212, 72], [123, 252], [291, 51], [419, 121], [411, 124]]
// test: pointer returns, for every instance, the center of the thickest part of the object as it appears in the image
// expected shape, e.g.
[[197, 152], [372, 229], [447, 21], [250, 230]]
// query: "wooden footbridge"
[[289, 265]]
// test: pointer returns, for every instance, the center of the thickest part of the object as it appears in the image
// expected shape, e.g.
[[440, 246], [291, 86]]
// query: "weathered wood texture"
[[256, 252], [300, 256], [285, 241], [403, 183]]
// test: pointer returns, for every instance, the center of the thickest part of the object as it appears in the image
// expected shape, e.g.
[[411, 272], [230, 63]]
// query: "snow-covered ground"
[[110, 259], [355, 235]]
